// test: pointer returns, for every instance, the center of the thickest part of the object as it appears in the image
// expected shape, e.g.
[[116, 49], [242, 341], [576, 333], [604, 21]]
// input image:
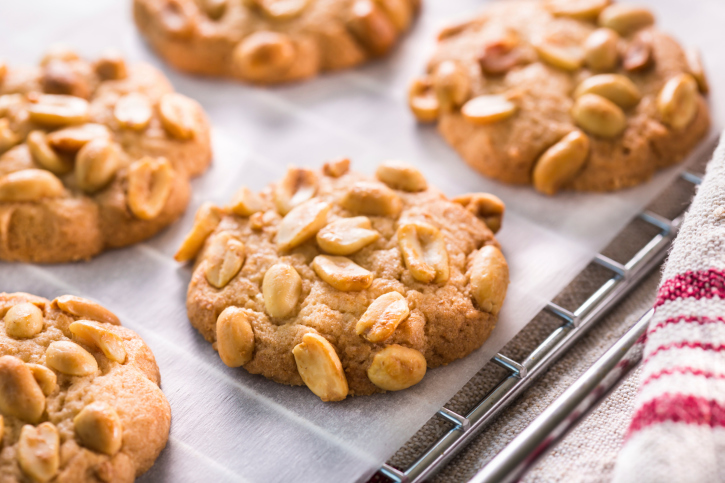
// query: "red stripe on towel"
[[678, 408], [706, 283], [682, 370], [706, 346], [685, 319]]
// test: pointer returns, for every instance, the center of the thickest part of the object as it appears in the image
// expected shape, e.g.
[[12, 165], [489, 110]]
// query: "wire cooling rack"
[[520, 455]]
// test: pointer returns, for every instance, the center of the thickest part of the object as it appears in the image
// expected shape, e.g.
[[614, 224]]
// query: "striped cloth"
[[677, 432]]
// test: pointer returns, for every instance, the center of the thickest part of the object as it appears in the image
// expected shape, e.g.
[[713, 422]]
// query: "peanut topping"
[[96, 164], [99, 428], [87, 309], [578, 9], [20, 395], [424, 252], [246, 202], [489, 279], [264, 55], [382, 317], [615, 87], [225, 258], [281, 9], [401, 176], [347, 235], [23, 321], [561, 162], [234, 337], [371, 27], [8, 137], [30, 185], [560, 52], [601, 50], [599, 116], [638, 56], [501, 55], [694, 63], [111, 66], [206, 220], [626, 19], [70, 358], [57, 110], [336, 168], [39, 451], [133, 111], [451, 85], [214, 8], [488, 109], [44, 155], [423, 101], [178, 115], [150, 182], [94, 335], [396, 367], [71, 139], [46, 379], [398, 11], [59, 77], [320, 368], [368, 198], [176, 18], [342, 273], [301, 224], [281, 288], [298, 185], [677, 101], [486, 206]]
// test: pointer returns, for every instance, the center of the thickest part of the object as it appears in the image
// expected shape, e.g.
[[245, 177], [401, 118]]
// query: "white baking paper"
[[226, 424]]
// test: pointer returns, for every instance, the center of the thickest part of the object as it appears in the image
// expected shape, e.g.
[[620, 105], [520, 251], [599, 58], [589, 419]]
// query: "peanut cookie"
[[346, 284], [92, 156], [271, 41], [564, 94], [79, 394]]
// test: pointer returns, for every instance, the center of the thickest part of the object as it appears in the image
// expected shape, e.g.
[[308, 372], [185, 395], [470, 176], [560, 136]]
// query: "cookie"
[[271, 41], [92, 156], [79, 394], [347, 284], [564, 94]]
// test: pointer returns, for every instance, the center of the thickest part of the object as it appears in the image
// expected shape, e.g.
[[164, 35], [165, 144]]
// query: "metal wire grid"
[[625, 278]]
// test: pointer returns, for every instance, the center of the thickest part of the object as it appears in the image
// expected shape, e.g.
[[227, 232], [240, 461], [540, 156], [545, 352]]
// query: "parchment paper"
[[228, 425]]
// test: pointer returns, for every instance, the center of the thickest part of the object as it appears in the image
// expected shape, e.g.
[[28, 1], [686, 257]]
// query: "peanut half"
[[578, 9], [424, 252], [489, 279], [133, 111], [401, 176], [150, 183], [298, 185], [226, 256], [677, 101], [87, 309], [39, 451], [626, 19], [561, 162], [46, 379], [396, 367], [71, 139], [234, 337], [69, 358], [281, 289], [347, 235], [96, 164], [58, 110], [615, 87], [382, 317], [178, 115], [599, 116], [422, 100], [342, 273], [320, 368], [264, 55], [94, 335], [451, 85], [399, 12], [301, 224], [206, 220], [561, 52], [486, 206], [488, 109], [601, 52], [246, 202], [371, 27], [30, 185], [99, 428], [20, 394], [44, 154], [370, 198], [23, 321]]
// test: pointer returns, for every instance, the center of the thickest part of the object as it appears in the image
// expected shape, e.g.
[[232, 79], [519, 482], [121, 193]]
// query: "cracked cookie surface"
[[345, 283], [93, 155]]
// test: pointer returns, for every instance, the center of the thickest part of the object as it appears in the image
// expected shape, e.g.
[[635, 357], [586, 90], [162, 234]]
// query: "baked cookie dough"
[[79, 394], [346, 284], [92, 156], [271, 41], [580, 95]]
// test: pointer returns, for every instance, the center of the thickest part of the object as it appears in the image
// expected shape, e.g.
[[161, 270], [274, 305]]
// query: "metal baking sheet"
[[226, 424]]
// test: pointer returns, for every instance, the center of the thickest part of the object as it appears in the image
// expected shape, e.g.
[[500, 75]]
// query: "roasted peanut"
[[214, 9], [451, 85], [301, 224], [401, 176], [20, 395], [281, 10], [96, 164], [111, 66], [371, 27], [599, 116], [39, 451], [396, 367], [99, 428], [601, 52], [133, 111], [625, 19], [206, 220], [59, 77], [30, 185], [346, 235], [677, 101], [225, 258], [561, 162], [638, 55], [176, 18], [234, 337], [69, 358], [95, 335], [23, 321], [87, 309], [45, 156], [264, 55], [246, 202], [281, 289], [8, 137], [71, 139], [486, 206], [561, 52], [489, 279], [382, 317], [342, 273], [694, 63], [178, 115], [501, 55], [367, 198], [320, 368], [422, 100], [578, 9], [424, 252], [615, 87], [398, 11], [46, 379], [488, 109], [298, 186], [58, 110], [336, 168], [150, 182]]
